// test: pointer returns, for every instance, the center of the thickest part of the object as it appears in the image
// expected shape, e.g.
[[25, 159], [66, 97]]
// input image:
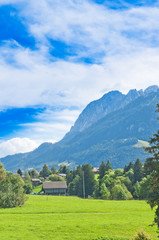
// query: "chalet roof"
[[35, 180], [57, 184], [62, 174], [95, 169]]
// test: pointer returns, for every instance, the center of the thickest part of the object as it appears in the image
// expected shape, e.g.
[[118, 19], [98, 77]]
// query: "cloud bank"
[[72, 52], [17, 145], [121, 45]]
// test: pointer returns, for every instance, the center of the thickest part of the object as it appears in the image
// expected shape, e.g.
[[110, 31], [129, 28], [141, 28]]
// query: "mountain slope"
[[118, 136], [110, 102]]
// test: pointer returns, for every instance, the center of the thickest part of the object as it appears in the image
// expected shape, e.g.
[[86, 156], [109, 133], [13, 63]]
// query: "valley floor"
[[59, 218]]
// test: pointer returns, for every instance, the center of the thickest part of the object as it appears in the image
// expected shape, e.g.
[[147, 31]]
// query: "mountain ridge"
[[112, 137], [108, 103]]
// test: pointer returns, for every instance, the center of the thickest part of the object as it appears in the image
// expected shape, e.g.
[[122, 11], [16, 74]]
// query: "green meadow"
[[49, 217]]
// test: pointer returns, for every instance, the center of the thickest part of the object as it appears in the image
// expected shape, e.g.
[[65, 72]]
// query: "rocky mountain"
[[115, 127], [110, 102]]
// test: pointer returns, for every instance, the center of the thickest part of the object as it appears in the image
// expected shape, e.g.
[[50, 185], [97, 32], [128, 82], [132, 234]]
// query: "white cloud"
[[93, 26], [126, 40], [17, 145], [50, 125], [123, 37], [66, 83]]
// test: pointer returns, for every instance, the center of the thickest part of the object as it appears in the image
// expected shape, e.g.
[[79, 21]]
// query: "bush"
[[11, 191], [54, 177], [27, 188], [120, 192], [141, 235]]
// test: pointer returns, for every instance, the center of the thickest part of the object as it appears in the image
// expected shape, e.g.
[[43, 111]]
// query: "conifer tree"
[[152, 164], [102, 170], [138, 171], [89, 180], [53, 169], [19, 172], [108, 166], [28, 183], [45, 172]]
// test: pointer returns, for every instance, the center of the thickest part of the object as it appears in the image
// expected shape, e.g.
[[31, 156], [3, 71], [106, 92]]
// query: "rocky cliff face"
[[110, 102]]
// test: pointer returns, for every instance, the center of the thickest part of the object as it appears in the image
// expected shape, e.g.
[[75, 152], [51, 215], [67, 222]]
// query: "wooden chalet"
[[36, 181], [55, 188]]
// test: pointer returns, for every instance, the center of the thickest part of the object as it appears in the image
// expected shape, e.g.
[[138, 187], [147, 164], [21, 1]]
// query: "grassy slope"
[[37, 189], [58, 218]]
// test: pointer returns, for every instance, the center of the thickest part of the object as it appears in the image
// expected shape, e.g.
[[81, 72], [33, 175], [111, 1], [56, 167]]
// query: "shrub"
[[54, 177], [11, 191], [120, 192], [27, 188], [141, 235]]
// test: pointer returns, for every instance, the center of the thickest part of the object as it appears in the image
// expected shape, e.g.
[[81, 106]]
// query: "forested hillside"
[[119, 136]]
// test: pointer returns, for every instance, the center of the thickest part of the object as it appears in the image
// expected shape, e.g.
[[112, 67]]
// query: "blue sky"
[[57, 56]]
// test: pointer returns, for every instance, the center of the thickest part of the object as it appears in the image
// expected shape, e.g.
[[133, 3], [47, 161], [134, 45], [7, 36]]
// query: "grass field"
[[72, 218]]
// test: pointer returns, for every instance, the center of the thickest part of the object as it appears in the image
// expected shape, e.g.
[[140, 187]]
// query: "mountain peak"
[[109, 102], [153, 88]]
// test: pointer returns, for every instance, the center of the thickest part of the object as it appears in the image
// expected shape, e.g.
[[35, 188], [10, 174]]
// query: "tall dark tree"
[[108, 166], [68, 176], [138, 171], [127, 168], [75, 187], [152, 164], [63, 169], [89, 180], [19, 172], [102, 170]]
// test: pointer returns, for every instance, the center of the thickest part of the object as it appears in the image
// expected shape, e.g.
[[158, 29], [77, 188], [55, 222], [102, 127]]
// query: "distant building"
[[36, 181], [62, 174], [55, 188], [96, 170]]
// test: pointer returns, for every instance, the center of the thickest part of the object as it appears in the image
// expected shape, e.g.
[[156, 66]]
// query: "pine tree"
[[108, 166], [53, 169], [102, 170], [138, 171], [45, 172], [88, 178], [127, 168], [19, 172], [28, 184], [152, 164], [63, 169]]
